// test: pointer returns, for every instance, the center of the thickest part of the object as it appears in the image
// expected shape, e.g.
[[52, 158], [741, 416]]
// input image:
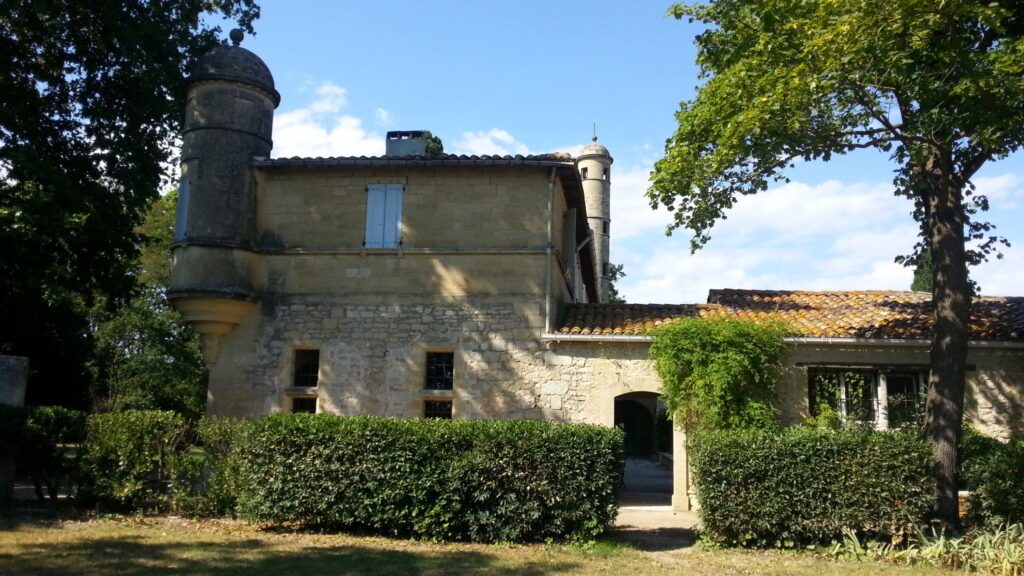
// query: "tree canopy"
[[91, 101], [938, 84], [145, 357]]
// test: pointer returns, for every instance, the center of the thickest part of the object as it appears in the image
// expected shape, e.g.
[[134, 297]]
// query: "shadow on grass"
[[129, 556], [655, 539]]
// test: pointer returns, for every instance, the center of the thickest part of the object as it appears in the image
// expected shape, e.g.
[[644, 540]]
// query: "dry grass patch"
[[127, 547]]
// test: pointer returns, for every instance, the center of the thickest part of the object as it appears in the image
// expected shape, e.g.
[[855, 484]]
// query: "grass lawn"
[[130, 546]]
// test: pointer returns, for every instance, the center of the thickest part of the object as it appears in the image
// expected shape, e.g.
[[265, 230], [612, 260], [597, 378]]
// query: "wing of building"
[[432, 285]]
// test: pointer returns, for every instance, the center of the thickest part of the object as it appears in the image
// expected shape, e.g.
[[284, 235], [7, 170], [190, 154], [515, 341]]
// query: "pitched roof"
[[544, 160], [876, 314]]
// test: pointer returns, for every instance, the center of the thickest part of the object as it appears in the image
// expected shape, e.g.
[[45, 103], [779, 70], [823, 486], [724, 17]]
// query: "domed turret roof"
[[235, 64], [593, 149]]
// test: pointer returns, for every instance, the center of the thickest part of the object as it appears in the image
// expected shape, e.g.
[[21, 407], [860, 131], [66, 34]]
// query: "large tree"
[[91, 101], [937, 84], [145, 357]]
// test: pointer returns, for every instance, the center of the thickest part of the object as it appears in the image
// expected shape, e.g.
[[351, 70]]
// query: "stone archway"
[[636, 414], [648, 475]]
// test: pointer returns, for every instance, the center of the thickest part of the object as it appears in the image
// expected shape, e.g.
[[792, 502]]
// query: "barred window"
[[304, 405], [440, 371], [438, 409]]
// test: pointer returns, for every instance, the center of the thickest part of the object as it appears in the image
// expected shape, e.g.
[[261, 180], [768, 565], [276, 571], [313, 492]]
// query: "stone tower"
[[228, 121], [595, 166]]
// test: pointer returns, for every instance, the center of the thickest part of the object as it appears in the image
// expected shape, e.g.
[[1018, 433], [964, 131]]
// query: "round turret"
[[595, 166], [229, 117], [234, 64]]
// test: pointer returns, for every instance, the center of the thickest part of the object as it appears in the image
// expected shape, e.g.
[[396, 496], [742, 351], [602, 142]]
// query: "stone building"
[[417, 285]]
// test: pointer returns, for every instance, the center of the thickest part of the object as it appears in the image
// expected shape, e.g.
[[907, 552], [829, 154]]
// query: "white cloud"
[[382, 116], [830, 236], [321, 129], [631, 212], [493, 141]]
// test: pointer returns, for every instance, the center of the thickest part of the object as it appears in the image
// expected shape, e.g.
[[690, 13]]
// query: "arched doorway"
[[648, 475], [636, 418]]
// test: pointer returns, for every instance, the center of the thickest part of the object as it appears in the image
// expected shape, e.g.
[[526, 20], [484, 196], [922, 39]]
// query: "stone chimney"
[[407, 143]]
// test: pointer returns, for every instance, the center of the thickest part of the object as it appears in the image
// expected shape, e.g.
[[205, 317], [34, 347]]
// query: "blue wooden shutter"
[[393, 216], [375, 200]]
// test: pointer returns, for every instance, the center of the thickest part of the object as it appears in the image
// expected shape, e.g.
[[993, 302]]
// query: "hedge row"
[[802, 486], [484, 481]]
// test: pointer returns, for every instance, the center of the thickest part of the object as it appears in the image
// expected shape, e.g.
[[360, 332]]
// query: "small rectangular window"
[[438, 409], [307, 369], [605, 226], [181, 217], [440, 371], [304, 405], [906, 399], [384, 215]]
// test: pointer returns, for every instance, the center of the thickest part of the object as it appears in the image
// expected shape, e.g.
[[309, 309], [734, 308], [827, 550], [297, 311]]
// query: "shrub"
[[206, 478], [804, 486], [975, 448], [50, 447], [993, 550], [483, 481], [130, 455], [44, 441], [997, 480], [720, 373]]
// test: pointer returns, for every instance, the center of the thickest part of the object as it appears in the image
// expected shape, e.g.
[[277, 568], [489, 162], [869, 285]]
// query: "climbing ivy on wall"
[[720, 373]]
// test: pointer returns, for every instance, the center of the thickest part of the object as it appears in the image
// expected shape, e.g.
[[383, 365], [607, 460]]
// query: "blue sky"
[[494, 77]]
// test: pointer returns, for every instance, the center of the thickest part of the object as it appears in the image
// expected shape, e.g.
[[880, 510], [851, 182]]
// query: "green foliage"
[[145, 357], [130, 458], [997, 481], [486, 481], [208, 477], [90, 108], [615, 273], [435, 147], [43, 441], [923, 272], [719, 373], [937, 85], [802, 486], [992, 550], [975, 448]]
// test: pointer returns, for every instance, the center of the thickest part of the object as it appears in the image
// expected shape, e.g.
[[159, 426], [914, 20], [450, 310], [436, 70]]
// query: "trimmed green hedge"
[[207, 478], [130, 458], [485, 481], [803, 486]]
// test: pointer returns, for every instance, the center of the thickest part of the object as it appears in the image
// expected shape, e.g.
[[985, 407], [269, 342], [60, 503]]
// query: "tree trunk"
[[951, 299]]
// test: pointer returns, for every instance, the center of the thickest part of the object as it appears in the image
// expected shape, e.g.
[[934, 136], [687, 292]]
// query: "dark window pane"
[[906, 400], [307, 368], [440, 370], [860, 395], [441, 409], [304, 405], [823, 390]]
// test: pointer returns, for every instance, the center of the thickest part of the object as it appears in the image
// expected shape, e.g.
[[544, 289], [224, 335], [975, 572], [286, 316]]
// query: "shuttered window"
[[384, 215]]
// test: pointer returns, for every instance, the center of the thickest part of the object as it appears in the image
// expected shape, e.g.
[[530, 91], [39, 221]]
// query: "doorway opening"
[[647, 480]]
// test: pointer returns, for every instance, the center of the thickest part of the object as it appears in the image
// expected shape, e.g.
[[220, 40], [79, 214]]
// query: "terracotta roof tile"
[[854, 314]]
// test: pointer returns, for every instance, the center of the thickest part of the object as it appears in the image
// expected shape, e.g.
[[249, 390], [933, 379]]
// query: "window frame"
[[444, 414], [449, 376], [384, 216], [879, 388]]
